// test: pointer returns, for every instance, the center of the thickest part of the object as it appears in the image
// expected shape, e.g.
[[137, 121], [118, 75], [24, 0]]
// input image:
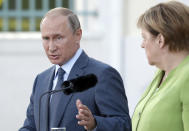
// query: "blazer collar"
[[78, 68]]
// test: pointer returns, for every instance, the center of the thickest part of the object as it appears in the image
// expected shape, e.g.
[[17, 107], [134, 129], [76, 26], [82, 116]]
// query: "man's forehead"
[[55, 18], [54, 21]]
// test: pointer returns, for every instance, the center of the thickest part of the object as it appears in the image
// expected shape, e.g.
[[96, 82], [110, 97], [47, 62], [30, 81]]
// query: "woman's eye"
[[144, 39]]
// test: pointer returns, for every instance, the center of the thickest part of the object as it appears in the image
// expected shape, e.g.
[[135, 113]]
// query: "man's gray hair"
[[72, 18]]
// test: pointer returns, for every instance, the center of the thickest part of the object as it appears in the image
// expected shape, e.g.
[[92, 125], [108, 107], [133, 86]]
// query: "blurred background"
[[109, 34]]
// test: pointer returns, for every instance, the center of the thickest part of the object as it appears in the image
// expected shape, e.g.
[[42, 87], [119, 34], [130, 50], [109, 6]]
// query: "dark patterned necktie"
[[61, 73], [56, 97]]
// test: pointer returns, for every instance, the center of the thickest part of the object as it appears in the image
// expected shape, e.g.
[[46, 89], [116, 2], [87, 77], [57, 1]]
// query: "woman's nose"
[[142, 45]]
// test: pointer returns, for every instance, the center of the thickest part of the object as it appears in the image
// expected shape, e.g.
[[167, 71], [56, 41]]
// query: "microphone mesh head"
[[79, 84], [85, 82], [90, 80]]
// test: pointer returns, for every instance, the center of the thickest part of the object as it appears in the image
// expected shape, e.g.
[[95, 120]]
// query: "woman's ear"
[[161, 40]]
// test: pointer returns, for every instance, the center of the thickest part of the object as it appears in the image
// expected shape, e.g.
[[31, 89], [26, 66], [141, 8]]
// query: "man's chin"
[[55, 62]]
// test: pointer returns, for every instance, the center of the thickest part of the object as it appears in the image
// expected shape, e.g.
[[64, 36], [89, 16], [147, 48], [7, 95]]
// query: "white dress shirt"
[[66, 67]]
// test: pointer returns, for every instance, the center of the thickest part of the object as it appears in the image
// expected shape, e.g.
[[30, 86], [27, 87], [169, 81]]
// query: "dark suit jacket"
[[107, 100]]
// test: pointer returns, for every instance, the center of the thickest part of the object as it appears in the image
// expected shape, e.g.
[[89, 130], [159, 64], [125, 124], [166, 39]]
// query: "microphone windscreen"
[[84, 82], [80, 84]]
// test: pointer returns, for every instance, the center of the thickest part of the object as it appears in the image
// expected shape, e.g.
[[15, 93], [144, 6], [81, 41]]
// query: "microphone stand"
[[47, 93], [68, 87]]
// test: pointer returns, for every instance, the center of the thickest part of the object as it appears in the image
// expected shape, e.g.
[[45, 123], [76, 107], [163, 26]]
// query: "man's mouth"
[[53, 56]]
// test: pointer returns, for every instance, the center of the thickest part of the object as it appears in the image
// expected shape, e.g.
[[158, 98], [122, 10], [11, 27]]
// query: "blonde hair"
[[72, 18], [171, 19]]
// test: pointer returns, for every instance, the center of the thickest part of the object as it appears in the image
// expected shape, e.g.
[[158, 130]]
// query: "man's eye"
[[59, 38], [45, 38]]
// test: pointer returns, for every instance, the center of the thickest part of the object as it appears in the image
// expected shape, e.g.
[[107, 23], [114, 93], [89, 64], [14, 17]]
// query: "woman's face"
[[151, 46]]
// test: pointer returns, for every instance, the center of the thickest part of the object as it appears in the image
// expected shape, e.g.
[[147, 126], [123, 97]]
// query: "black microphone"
[[78, 84]]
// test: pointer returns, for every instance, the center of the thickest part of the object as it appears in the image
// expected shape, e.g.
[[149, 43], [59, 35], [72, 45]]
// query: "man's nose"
[[52, 46]]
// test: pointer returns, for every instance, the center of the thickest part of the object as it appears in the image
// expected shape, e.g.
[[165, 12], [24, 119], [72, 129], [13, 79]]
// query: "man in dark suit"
[[101, 108]]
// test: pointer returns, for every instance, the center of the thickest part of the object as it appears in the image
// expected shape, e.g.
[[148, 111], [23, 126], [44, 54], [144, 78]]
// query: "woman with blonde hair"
[[165, 104]]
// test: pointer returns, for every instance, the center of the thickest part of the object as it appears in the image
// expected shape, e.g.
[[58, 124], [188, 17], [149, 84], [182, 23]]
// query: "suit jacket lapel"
[[77, 70], [48, 82]]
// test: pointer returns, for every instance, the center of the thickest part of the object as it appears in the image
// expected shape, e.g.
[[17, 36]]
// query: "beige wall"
[[133, 9]]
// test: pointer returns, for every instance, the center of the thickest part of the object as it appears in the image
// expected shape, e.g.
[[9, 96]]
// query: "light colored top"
[[66, 67], [165, 109]]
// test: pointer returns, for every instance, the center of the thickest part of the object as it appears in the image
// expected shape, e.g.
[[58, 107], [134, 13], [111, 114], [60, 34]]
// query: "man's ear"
[[78, 34], [161, 40]]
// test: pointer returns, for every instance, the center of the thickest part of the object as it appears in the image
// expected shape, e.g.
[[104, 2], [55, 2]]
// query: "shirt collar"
[[68, 65]]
